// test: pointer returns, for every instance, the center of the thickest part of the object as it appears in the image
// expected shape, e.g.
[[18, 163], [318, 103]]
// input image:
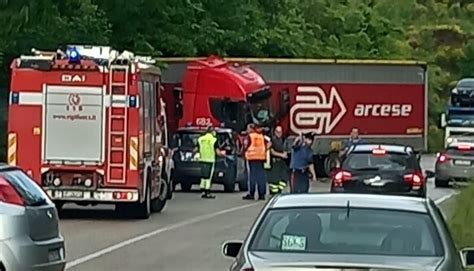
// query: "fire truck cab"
[[89, 125]]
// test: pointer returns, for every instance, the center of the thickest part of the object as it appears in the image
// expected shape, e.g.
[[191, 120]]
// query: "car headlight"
[[454, 91], [449, 140]]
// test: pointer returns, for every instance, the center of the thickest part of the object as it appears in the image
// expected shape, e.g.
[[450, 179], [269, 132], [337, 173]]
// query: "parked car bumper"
[[22, 253], [448, 172]]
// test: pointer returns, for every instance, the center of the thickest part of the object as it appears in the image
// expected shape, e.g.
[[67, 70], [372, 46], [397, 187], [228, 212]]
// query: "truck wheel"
[[331, 162], [159, 203], [170, 185], [186, 186], [441, 183], [143, 210]]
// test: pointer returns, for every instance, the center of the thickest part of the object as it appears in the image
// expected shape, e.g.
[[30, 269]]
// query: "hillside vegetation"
[[440, 32]]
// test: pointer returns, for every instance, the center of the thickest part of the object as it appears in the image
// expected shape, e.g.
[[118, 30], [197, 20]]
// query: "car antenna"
[[348, 207]]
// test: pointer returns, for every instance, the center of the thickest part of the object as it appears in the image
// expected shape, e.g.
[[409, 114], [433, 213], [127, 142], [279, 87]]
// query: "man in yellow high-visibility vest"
[[208, 149]]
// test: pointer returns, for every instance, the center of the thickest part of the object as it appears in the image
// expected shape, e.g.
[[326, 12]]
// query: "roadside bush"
[[462, 218]]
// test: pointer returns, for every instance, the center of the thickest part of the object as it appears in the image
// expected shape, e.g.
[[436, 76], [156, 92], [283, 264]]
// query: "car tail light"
[[442, 158], [415, 179], [341, 177], [8, 194]]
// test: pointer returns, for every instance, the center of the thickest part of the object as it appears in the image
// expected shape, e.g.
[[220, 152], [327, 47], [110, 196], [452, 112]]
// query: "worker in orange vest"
[[255, 147]]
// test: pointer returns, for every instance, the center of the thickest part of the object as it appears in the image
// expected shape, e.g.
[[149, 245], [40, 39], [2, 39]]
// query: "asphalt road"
[[187, 235]]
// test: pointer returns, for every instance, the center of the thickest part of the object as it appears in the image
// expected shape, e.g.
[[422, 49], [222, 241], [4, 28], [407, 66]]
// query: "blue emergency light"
[[14, 98], [74, 56], [132, 101]]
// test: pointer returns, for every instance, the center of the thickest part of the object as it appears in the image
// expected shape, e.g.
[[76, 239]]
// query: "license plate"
[[377, 184], [73, 194], [54, 255], [462, 162]]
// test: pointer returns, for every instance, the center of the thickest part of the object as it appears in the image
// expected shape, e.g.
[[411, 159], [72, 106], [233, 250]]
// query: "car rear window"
[[343, 231], [388, 161], [29, 190]]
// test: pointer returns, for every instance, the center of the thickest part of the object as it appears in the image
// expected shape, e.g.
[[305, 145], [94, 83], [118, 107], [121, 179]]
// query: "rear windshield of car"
[[339, 231], [189, 140], [388, 161], [27, 188]]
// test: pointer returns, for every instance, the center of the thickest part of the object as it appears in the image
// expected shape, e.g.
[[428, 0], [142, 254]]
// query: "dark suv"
[[384, 169], [463, 94], [188, 170]]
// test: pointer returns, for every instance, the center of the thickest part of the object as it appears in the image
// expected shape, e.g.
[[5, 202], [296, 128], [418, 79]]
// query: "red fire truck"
[[386, 100], [89, 125]]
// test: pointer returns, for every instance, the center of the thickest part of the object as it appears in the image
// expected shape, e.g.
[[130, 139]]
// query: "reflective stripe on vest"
[[207, 152], [256, 150], [268, 164]]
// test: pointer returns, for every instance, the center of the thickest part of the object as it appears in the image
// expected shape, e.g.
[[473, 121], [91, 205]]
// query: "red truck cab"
[[213, 91]]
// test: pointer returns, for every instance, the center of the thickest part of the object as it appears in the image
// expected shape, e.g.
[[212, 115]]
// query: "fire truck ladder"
[[117, 124]]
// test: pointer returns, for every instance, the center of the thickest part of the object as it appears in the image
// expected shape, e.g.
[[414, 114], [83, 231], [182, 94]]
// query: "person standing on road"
[[301, 164], [208, 149], [354, 139], [278, 177], [255, 147]]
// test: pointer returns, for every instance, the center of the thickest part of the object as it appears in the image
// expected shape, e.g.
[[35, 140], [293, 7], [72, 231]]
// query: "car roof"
[[371, 201], [202, 130], [394, 148]]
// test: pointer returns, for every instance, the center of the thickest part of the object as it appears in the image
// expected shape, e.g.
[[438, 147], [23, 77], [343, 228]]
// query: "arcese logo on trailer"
[[313, 111]]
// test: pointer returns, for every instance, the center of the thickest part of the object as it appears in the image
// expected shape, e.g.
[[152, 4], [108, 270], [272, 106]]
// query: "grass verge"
[[460, 213], [462, 218]]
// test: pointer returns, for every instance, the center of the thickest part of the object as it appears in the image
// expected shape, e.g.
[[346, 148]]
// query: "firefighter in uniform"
[[208, 149], [278, 175], [256, 154]]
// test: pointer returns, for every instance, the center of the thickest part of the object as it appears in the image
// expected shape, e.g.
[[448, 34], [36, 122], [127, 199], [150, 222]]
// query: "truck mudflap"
[[100, 195]]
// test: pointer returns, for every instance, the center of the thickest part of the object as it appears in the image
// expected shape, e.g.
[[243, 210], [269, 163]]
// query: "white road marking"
[[446, 197], [138, 238]]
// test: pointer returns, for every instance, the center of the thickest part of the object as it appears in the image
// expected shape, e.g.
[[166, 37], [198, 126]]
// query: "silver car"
[[29, 225], [348, 232], [455, 163]]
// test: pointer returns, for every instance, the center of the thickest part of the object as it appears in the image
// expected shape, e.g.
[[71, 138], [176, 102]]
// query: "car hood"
[[263, 261]]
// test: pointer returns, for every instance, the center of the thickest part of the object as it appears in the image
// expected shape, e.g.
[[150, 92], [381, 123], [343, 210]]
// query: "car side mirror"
[[429, 174], [232, 248], [467, 257]]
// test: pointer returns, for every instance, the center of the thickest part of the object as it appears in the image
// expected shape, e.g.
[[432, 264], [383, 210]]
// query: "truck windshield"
[[260, 106]]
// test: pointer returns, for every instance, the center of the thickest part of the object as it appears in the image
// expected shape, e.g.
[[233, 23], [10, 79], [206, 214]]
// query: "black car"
[[384, 169], [188, 170], [323, 231], [463, 94]]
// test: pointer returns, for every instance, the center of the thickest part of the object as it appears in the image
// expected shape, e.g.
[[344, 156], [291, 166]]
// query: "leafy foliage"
[[437, 31]]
